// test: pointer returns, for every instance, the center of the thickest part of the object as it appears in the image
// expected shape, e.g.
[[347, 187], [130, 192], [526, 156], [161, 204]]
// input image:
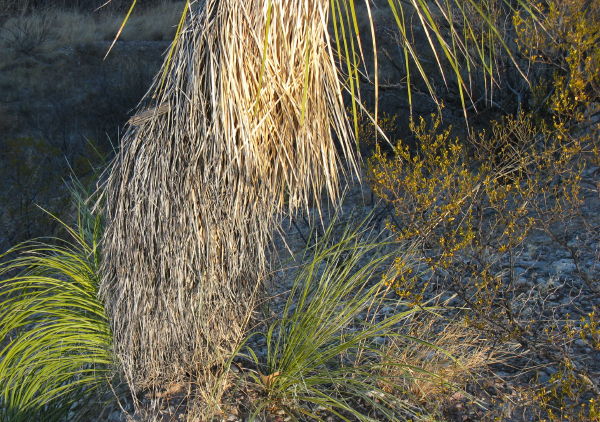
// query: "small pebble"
[[565, 265]]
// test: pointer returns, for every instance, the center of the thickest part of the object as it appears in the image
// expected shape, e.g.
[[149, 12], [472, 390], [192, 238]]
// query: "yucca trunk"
[[252, 103]]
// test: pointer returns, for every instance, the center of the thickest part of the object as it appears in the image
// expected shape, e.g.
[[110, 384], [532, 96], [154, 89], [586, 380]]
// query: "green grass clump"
[[325, 355], [55, 341]]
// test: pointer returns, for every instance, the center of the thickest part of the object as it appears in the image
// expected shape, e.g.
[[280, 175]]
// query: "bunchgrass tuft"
[[326, 355], [55, 341]]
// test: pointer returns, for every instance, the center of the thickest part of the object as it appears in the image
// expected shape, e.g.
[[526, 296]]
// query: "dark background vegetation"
[[62, 102], [16, 6]]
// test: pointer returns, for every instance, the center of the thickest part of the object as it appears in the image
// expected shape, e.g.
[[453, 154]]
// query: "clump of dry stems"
[[451, 355], [193, 195]]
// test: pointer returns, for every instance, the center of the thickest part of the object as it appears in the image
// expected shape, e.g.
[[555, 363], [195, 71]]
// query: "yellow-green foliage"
[[55, 342], [564, 35], [443, 189], [470, 205]]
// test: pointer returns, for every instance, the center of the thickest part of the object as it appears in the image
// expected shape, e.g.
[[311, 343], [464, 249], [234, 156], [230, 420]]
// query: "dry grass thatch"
[[254, 103], [47, 31], [449, 356]]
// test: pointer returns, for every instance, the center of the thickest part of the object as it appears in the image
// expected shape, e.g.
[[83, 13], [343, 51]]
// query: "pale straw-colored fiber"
[[195, 192]]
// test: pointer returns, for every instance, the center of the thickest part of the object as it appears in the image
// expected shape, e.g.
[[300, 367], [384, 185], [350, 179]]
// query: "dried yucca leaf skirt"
[[250, 102]]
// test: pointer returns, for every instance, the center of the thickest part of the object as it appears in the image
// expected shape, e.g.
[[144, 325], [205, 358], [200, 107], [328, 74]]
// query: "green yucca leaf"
[[55, 341], [120, 30]]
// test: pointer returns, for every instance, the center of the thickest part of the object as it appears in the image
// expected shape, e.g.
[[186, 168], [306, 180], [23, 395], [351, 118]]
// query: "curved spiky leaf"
[[55, 345]]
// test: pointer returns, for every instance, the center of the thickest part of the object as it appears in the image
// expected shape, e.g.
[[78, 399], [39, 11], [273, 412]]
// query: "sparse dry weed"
[[449, 356], [45, 31]]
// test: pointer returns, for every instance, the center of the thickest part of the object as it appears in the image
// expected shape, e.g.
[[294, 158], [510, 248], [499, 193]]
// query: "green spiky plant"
[[325, 355], [55, 340]]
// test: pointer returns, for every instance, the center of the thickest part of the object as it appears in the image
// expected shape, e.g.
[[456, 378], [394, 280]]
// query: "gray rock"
[[542, 377], [522, 283], [564, 265], [387, 310], [565, 301], [561, 253], [115, 416]]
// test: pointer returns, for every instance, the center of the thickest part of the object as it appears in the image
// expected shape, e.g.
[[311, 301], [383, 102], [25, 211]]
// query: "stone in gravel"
[[542, 377], [532, 250], [522, 282], [115, 416], [564, 265], [387, 310]]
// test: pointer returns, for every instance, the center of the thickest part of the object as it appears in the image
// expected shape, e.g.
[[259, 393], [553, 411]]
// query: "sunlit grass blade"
[[120, 30]]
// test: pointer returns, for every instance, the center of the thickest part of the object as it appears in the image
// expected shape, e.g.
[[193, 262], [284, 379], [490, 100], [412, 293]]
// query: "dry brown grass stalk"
[[451, 356], [193, 195]]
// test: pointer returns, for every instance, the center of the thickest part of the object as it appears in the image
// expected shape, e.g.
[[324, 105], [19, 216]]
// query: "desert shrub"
[[8, 7], [27, 35], [14, 7], [56, 342], [35, 173], [563, 37], [472, 205], [32, 171]]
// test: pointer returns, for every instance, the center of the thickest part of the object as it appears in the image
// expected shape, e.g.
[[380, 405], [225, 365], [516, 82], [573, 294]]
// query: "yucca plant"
[[192, 197], [326, 353], [55, 340], [245, 121]]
